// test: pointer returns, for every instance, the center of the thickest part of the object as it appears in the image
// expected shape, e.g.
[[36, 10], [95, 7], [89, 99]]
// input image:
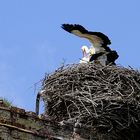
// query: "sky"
[[32, 42]]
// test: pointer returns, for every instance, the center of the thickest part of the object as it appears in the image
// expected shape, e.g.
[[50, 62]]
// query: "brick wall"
[[18, 124]]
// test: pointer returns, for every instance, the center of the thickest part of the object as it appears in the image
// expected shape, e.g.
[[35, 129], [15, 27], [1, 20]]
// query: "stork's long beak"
[[83, 52]]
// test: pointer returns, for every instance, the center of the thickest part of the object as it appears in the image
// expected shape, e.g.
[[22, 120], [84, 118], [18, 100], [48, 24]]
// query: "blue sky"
[[32, 42]]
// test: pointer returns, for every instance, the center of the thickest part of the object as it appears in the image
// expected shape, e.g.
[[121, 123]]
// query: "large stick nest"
[[104, 98]]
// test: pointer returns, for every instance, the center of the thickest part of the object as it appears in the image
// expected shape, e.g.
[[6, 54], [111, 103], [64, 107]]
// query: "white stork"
[[85, 54], [99, 41]]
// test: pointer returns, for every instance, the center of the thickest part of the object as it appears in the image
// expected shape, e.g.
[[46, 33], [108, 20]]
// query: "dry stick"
[[136, 84], [85, 107], [77, 84], [67, 110], [76, 106], [131, 92]]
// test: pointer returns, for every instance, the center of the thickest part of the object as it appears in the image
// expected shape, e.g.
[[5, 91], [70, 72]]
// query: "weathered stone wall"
[[6, 133], [17, 124]]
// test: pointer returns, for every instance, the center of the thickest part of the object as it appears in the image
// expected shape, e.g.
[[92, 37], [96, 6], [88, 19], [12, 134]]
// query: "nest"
[[104, 98]]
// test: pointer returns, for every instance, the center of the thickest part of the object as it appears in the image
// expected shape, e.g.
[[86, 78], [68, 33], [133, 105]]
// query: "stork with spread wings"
[[98, 40]]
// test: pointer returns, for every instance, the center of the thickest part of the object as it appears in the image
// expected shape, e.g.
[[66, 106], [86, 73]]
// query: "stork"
[[85, 54], [99, 41]]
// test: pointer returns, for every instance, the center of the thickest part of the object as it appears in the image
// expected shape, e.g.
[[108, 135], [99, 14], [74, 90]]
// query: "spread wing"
[[98, 39]]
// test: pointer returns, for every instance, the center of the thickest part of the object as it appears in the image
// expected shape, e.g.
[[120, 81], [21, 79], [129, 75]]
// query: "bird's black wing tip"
[[71, 27], [63, 25], [67, 27]]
